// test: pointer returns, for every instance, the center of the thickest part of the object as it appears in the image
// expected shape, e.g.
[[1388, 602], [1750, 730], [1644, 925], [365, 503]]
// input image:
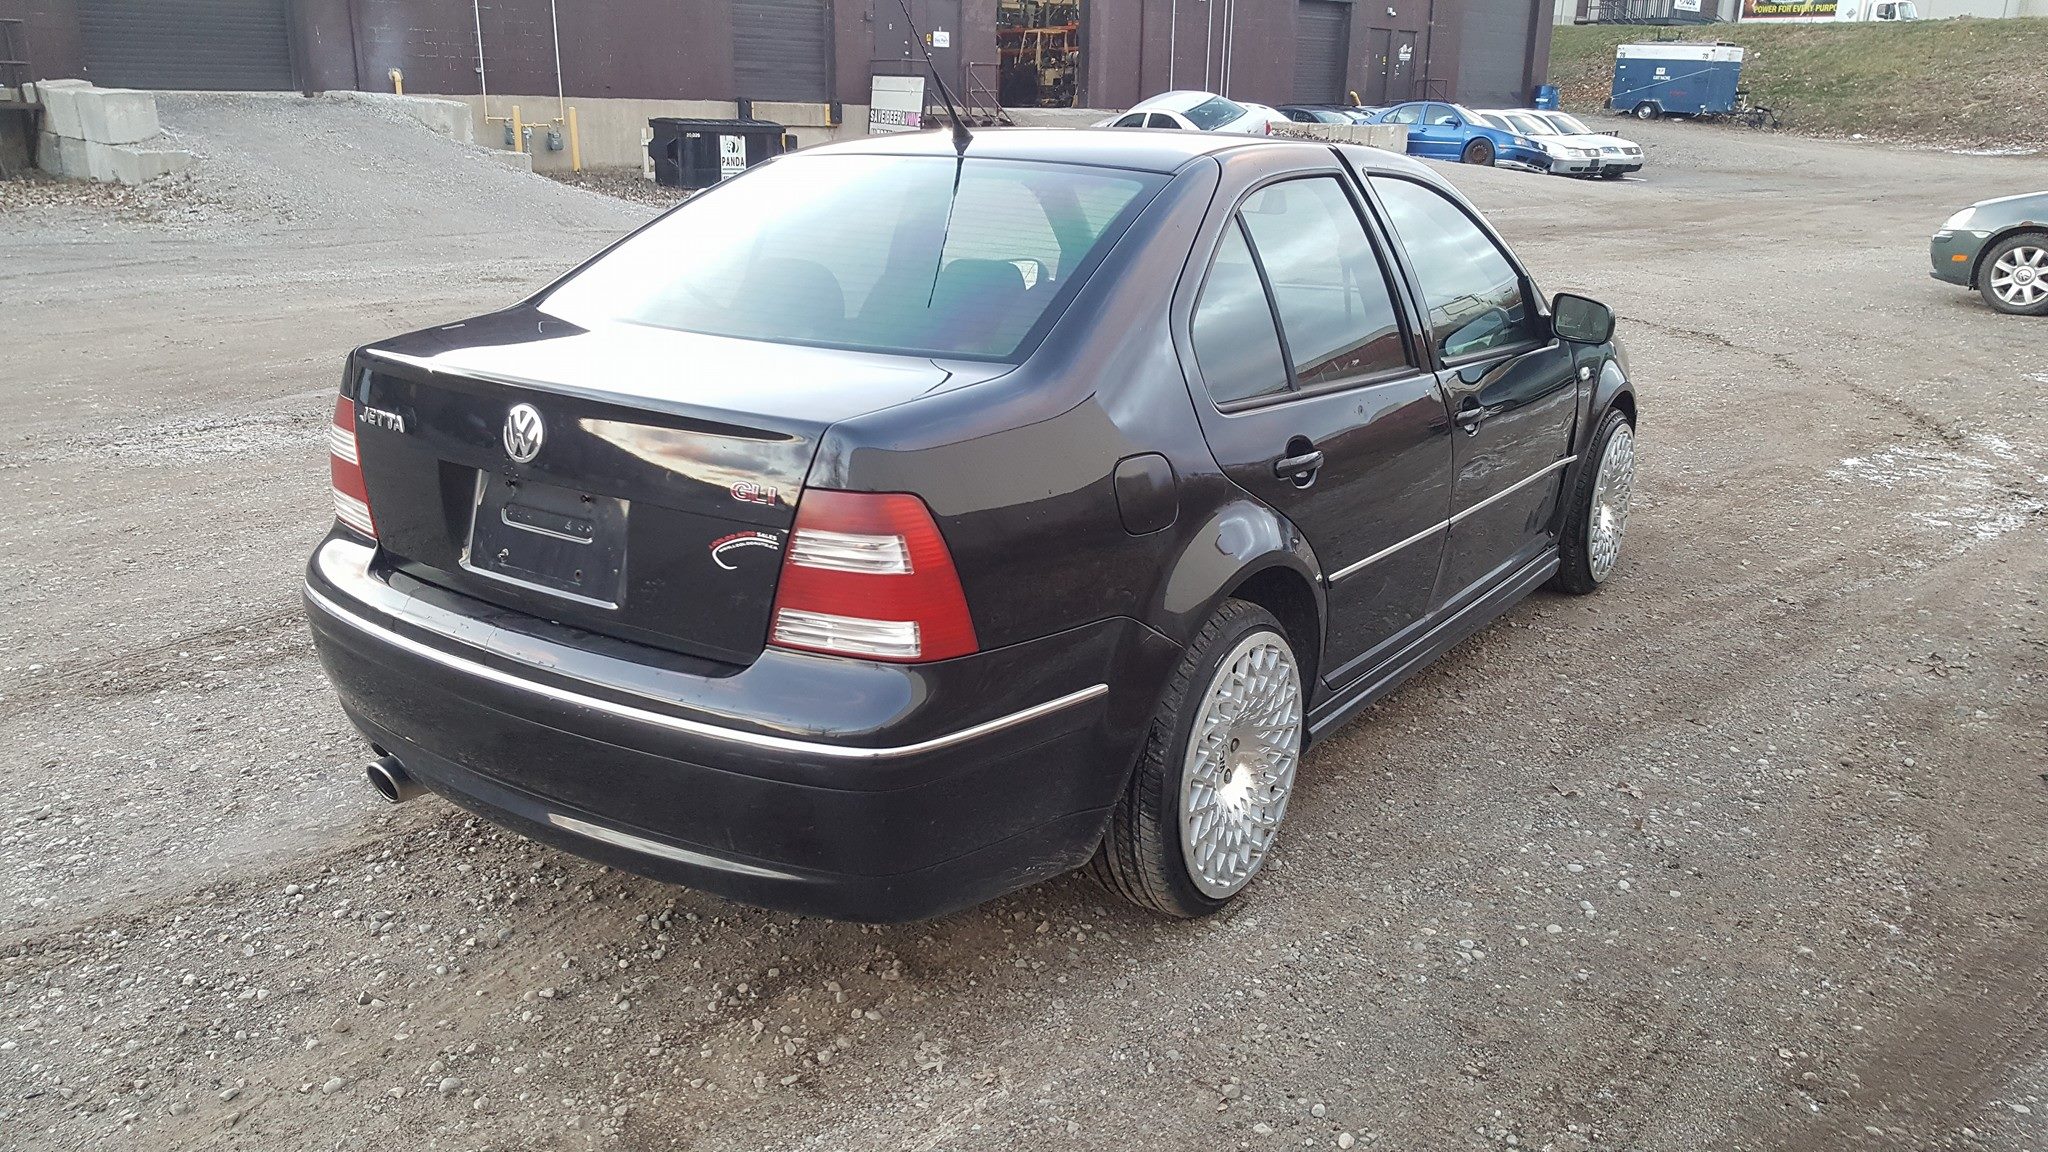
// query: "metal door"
[[216, 45], [896, 53], [782, 49], [1322, 48]]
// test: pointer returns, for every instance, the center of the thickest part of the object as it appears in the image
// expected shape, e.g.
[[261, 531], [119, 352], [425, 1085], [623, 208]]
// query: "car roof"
[[1178, 100], [1163, 152]]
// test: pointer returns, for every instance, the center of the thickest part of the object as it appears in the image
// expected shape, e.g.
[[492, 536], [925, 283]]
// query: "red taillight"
[[867, 574], [345, 468]]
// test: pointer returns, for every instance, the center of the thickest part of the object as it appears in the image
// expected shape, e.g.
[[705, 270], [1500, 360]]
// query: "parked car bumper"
[[1619, 165], [824, 786], [1954, 254]]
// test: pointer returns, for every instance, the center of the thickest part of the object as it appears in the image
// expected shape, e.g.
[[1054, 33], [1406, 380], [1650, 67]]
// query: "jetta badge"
[[523, 432]]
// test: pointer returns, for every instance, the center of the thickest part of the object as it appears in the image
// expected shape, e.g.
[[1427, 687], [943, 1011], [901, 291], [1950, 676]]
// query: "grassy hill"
[[1955, 83]]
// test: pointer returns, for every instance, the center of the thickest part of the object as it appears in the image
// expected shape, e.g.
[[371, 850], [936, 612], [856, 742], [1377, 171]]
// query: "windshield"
[[846, 252], [1214, 113], [1569, 125], [1530, 125]]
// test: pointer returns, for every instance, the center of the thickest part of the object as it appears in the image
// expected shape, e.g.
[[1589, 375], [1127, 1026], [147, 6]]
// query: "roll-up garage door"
[[1493, 51], [1322, 45], [221, 45], [782, 49]]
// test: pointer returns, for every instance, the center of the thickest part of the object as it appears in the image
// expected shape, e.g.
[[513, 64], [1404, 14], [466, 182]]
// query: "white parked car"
[[1559, 158], [1610, 157], [1198, 112]]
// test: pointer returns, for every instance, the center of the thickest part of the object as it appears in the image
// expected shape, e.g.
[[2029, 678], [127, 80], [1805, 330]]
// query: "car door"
[[1512, 386], [1443, 131], [1315, 400], [1410, 116]]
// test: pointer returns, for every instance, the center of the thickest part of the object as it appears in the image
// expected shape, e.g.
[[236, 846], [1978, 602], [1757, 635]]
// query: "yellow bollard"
[[575, 145], [518, 131], [397, 82]]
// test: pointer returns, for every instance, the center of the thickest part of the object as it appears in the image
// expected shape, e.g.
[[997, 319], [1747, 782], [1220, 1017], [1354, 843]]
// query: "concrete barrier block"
[[134, 164], [523, 161], [99, 162], [62, 156], [116, 115], [60, 109], [791, 114]]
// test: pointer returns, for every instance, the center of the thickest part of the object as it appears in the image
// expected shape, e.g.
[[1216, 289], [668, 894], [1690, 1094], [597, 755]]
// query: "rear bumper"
[[823, 786]]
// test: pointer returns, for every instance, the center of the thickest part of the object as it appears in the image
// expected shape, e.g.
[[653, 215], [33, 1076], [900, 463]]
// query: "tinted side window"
[[1162, 120], [1331, 292], [1134, 120], [1236, 345], [1476, 299], [1407, 114]]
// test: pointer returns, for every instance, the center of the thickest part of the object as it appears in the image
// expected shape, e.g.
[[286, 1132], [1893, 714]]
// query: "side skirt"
[[1335, 712]]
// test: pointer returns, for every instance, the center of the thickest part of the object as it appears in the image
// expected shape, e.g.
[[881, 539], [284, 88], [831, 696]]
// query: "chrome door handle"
[[1299, 469]]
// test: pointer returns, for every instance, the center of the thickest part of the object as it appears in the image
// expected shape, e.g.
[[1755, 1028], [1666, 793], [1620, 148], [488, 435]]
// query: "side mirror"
[[1581, 319]]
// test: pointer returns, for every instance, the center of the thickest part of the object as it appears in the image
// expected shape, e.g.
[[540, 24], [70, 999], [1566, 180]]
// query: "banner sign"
[[1788, 9], [895, 104]]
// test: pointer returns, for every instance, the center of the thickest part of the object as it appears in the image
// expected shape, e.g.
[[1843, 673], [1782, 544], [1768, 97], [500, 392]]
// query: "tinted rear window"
[[862, 252], [1213, 113]]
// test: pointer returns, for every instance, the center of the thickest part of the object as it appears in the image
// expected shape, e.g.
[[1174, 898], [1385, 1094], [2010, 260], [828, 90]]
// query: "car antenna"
[[961, 136]]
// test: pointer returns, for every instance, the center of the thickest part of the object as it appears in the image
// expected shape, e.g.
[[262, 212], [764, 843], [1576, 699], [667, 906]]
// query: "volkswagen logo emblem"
[[523, 432]]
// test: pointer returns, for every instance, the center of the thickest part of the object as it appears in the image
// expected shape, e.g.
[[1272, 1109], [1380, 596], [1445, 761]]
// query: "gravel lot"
[[1745, 852]]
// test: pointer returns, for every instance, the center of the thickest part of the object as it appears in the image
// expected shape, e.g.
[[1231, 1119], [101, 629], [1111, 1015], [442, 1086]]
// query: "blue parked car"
[[1442, 131]]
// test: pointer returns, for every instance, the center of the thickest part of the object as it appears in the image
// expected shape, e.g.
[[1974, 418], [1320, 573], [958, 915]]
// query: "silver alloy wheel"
[[2020, 277], [1608, 517], [1240, 763]]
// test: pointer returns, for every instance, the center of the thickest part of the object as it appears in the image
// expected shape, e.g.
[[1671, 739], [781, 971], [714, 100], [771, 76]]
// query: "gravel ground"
[[623, 183], [1745, 852]]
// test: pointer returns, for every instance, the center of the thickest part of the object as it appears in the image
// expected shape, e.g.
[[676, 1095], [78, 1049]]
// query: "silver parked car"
[[1606, 156]]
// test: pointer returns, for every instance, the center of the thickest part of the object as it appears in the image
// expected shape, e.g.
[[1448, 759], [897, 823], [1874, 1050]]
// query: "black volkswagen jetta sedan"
[[886, 529]]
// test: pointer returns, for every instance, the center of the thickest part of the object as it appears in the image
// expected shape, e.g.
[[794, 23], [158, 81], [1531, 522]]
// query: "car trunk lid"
[[635, 482]]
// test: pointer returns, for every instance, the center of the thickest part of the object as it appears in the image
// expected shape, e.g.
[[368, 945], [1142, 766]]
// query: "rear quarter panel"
[[1020, 470]]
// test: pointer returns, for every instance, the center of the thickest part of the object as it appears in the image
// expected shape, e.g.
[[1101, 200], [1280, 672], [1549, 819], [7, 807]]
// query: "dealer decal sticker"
[[726, 545]]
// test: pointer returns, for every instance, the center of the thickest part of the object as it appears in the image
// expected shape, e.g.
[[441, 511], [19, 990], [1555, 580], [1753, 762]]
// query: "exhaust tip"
[[391, 781]]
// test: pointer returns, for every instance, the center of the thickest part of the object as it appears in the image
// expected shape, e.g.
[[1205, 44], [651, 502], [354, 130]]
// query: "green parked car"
[[2000, 248]]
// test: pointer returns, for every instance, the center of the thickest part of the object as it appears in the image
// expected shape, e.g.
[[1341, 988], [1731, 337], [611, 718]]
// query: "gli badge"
[[749, 492], [725, 546], [524, 432]]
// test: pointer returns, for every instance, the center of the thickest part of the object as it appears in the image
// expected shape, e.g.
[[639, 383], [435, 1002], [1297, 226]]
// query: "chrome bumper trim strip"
[[1441, 525], [695, 727], [646, 847]]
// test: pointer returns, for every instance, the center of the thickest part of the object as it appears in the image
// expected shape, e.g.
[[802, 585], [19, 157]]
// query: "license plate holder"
[[548, 538]]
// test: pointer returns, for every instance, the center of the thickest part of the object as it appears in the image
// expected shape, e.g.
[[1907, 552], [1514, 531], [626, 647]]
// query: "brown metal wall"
[[54, 49], [1125, 47], [682, 49]]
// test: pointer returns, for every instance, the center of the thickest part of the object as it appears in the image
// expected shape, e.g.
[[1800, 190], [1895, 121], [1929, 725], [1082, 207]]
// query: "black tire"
[[1478, 151], [1647, 111], [1140, 857], [2027, 243], [1578, 573]]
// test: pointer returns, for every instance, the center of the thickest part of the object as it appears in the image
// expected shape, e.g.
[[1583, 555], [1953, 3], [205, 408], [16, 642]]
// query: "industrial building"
[[1022, 53]]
